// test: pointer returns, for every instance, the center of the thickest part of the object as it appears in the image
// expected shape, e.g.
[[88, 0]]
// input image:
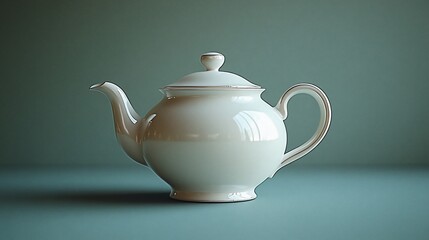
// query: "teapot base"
[[213, 196]]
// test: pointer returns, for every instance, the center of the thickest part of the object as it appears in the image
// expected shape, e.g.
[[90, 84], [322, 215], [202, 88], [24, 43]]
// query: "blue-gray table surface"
[[300, 202]]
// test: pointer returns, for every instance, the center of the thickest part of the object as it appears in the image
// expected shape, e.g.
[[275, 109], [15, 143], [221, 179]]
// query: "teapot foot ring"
[[213, 196]]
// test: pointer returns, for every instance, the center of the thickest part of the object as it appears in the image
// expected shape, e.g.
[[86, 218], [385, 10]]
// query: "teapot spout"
[[128, 123]]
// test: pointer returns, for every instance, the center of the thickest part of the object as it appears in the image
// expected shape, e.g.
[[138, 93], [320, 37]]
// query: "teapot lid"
[[212, 77]]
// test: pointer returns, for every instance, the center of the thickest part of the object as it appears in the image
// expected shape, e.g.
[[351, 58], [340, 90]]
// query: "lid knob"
[[212, 61]]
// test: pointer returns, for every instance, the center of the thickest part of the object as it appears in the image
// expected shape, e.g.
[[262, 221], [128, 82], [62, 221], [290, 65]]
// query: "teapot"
[[212, 138]]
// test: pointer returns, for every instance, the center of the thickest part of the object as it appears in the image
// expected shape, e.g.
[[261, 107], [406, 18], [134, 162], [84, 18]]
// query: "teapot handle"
[[322, 129]]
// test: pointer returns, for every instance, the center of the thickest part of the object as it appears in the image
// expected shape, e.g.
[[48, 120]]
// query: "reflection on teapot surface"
[[212, 138], [255, 126], [199, 118]]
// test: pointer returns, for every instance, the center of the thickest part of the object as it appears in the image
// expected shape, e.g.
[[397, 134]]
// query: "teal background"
[[370, 57], [63, 176]]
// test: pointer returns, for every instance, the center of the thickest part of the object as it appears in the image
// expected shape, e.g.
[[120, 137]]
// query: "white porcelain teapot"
[[212, 138]]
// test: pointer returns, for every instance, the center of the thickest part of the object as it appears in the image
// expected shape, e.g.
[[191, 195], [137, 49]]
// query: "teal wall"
[[370, 56]]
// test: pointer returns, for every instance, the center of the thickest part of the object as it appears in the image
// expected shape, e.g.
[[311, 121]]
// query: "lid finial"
[[212, 61]]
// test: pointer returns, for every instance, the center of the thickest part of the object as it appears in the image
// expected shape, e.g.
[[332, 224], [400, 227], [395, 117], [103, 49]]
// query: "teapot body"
[[213, 145]]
